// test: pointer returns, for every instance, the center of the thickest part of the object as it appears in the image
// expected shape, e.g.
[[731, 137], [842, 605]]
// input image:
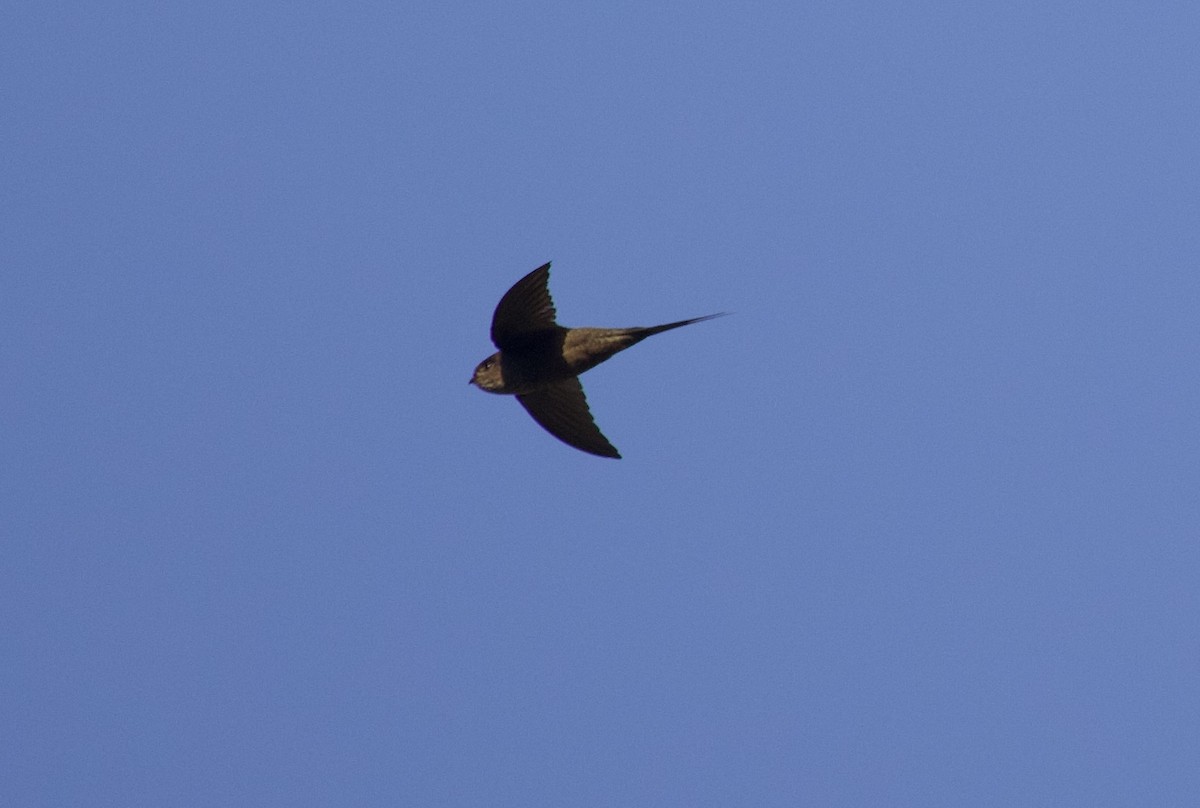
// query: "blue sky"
[[917, 526]]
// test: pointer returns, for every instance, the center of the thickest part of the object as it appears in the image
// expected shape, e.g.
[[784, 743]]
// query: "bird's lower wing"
[[562, 410]]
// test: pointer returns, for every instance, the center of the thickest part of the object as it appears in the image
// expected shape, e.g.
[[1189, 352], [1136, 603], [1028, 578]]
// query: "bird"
[[540, 361]]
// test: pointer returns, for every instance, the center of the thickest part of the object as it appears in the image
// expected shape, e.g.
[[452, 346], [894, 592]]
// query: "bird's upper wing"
[[525, 308], [562, 410]]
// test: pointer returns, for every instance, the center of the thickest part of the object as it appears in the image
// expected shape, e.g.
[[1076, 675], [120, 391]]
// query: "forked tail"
[[658, 329]]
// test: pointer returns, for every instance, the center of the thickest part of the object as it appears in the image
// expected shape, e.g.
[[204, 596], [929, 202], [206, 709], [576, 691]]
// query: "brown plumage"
[[539, 361]]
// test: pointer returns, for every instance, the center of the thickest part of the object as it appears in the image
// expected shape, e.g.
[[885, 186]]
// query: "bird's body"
[[539, 361]]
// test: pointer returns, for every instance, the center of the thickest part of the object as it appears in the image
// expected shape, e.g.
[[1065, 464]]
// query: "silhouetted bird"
[[539, 361]]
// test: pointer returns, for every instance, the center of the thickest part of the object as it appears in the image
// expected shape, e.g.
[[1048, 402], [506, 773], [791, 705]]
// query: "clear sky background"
[[918, 525]]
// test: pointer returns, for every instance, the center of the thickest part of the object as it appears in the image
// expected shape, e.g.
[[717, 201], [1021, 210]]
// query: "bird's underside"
[[540, 361]]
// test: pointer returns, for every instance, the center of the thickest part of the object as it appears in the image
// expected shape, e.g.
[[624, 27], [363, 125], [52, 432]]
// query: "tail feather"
[[658, 329]]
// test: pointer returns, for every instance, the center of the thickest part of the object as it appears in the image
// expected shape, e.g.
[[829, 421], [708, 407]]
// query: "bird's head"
[[488, 375]]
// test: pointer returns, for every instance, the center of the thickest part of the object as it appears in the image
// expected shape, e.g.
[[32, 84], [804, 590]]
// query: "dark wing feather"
[[525, 308], [562, 410]]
